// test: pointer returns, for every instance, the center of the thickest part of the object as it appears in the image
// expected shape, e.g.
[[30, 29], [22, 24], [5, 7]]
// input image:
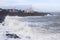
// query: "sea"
[[31, 27]]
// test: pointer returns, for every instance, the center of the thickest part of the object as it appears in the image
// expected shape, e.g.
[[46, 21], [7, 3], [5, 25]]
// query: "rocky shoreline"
[[16, 12]]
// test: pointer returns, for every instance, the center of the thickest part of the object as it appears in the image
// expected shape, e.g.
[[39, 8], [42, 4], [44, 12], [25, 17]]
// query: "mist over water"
[[31, 27]]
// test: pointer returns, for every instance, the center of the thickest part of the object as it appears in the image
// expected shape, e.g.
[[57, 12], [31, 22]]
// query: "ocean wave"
[[30, 28]]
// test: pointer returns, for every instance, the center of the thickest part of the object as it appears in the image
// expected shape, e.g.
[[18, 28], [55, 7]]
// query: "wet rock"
[[12, 36], [2, 18]]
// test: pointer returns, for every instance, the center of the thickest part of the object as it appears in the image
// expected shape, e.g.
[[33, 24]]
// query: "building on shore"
[[13, 10], [29, 10]]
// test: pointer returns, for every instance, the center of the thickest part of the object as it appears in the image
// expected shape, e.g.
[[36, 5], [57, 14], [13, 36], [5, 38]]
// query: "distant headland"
[[16, 12]]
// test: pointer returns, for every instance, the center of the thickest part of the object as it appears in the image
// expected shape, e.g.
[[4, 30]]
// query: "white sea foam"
[[23, 30]]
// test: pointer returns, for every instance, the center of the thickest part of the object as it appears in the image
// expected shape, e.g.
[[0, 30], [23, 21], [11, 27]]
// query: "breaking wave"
[[31, 27]]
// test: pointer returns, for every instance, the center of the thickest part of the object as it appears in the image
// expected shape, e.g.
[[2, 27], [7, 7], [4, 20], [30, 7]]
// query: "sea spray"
[[30, 28]]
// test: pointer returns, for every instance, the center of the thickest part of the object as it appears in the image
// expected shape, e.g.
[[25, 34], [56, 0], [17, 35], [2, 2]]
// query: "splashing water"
[[31, 28]]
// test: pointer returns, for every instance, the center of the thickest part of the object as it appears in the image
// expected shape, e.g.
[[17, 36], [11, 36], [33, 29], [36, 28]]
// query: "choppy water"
[[31, 27], [50, 23]]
